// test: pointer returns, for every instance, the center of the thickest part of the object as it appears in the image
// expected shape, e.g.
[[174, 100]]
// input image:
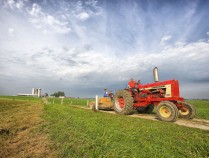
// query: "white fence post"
[[96, 103]]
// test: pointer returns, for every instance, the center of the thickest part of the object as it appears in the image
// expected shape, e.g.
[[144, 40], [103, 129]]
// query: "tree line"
[[58, 94]]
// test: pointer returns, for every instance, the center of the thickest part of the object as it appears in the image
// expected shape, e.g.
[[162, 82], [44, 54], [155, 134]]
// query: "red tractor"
[[164, 95]]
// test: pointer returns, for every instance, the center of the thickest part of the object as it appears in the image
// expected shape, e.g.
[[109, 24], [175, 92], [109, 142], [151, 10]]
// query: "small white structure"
[[97, 102], [39, 92], [35, 92]]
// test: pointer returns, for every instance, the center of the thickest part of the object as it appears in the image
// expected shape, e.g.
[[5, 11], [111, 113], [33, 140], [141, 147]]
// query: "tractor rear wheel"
[[188, 110], [167, 111], [123, 102], [147, 109]]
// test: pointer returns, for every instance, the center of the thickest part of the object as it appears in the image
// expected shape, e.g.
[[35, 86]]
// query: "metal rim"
[[120, 103], [184, 112], [165, 112]]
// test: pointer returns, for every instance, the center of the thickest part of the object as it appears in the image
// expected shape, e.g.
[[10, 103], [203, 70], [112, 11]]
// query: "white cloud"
[[61, 30], [48, 23], [83, 16], [35, 10], [11, 32], [179, 43], [92, 3], [165, 38], [18, 4], [83, 12], [208, 33], [181, 59], [10, 3], [105, 55], [50, 20]]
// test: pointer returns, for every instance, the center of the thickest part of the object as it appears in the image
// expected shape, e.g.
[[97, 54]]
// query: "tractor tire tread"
[[172, 107], [192, 110], [128, 107]]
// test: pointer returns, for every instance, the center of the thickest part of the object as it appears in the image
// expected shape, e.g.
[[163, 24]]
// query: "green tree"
[[58, 94]]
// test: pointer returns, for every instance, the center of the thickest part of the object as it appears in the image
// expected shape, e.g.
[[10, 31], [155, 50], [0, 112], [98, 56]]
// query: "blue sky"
[[82, 47]]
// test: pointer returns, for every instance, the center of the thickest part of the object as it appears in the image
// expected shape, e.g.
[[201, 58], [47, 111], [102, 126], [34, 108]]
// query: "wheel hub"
[[184, 111], [165, 111], [121, 102]]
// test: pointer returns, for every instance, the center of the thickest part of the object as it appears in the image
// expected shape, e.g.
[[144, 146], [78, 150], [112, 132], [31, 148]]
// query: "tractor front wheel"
[[123, 102], [187, 111], [167, 111]]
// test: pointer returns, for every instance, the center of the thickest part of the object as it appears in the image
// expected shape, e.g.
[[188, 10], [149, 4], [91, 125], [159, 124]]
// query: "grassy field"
[[20, 98], [69, 101], [84, 133], [202, 107], [30, 128], [21, 134]]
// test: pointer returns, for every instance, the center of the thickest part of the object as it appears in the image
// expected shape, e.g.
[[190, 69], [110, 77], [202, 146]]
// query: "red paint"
[[132, 84], [121, 102], [155, 93]]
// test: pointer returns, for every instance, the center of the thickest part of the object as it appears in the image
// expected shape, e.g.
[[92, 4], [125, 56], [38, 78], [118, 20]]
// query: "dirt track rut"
[[194, 123]]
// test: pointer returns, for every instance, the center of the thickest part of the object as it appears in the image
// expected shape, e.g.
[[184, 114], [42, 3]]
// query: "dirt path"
[[194, 123]]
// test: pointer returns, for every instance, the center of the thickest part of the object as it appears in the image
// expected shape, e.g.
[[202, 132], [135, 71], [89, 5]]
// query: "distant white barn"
[[35, 92]]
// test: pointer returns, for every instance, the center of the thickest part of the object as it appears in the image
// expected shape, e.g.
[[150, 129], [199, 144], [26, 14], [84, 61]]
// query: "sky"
[[82, 47]]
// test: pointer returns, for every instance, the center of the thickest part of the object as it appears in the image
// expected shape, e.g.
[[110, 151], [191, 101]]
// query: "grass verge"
[[20, 98], [21, 132], [69, 101], [202, 107], [84, 133]]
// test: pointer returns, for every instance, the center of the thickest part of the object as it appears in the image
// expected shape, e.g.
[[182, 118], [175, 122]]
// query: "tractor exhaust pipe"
[[155, 74]]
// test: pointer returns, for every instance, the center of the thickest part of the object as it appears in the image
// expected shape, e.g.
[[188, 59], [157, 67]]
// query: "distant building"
[[61, 96], [36, 92]]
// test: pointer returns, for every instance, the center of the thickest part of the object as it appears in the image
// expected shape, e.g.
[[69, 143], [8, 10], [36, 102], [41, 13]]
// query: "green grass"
[[21, 132], [69, 101], [23, 98], [84, 133], [202, 107]]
